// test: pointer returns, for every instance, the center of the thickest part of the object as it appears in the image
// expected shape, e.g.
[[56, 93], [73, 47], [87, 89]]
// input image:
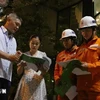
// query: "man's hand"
[[15, 57], [84, 64]]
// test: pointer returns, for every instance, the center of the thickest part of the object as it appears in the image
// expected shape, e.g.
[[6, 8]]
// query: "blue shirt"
[[8, 45]]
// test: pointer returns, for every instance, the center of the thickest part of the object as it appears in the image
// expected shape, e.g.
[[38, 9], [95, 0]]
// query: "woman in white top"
[[32, 84]]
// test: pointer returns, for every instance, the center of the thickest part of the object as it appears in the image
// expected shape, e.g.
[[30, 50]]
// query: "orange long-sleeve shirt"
[[63, 56], [90, 53]]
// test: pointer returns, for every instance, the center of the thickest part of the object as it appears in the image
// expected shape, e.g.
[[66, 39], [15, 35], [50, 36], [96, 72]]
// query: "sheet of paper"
[[64, 64], [78, 71], [31, 59], [71, 93]]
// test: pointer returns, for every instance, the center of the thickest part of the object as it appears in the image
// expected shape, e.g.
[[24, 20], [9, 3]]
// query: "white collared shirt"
[[7, 45]]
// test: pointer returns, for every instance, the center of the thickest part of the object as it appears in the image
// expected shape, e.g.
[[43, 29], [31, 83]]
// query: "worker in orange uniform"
[[88, 85], [68, 39]]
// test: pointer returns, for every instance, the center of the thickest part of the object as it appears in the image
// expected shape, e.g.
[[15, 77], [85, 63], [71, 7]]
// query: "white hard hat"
[[86, 22], [68, 33]]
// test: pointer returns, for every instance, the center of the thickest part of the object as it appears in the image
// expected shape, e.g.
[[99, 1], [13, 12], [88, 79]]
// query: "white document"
[[71, 93], [64, 64], [78, 71]]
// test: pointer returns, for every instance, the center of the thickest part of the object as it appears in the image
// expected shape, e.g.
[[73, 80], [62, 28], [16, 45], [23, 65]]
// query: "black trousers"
[[4, 88]]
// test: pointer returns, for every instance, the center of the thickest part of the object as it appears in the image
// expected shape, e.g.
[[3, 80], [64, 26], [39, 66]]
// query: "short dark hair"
[[34, 36]]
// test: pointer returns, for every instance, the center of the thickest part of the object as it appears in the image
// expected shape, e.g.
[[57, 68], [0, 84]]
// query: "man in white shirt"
[[8, 52]]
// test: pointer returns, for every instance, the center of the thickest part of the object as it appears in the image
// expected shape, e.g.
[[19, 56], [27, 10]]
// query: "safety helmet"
[[68, 33], [86, 22]]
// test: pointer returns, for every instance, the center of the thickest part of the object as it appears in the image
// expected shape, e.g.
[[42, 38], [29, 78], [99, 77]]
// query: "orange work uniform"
[[63, 56], [88, 86]]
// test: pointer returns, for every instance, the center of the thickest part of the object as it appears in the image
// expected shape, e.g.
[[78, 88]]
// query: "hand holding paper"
[[22, 63], [42, 64], [72, 66], [84, 64], [31, 59]]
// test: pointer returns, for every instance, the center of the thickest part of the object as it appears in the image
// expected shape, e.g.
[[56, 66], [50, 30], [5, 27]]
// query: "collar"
[[5, 31], [95, 37], [91, 41], [74, 48]]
